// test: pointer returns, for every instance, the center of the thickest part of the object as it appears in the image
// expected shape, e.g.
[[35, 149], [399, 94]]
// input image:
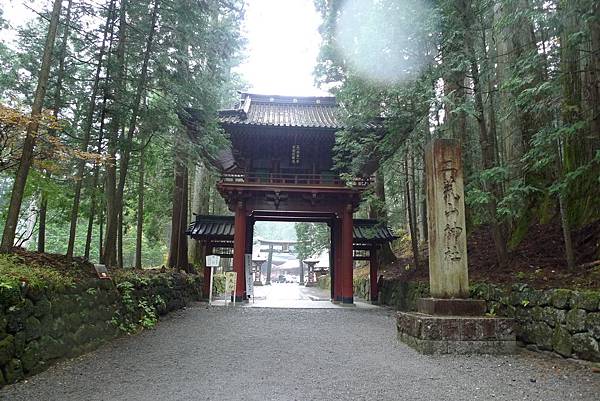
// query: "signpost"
[[212, 261], [249, 275], [101, 272]]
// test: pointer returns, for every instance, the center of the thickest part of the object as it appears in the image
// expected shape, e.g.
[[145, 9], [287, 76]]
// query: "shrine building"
[[280, 168]]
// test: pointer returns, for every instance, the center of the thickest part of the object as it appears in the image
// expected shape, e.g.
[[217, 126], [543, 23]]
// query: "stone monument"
[[450, 321]]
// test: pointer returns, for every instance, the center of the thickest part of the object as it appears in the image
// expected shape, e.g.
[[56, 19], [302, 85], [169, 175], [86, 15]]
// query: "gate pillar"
[[239, 248], [347, 273], [337, 273]]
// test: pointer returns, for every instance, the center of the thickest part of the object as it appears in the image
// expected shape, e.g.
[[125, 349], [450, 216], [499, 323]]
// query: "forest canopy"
[[94, 155], [517, 82]]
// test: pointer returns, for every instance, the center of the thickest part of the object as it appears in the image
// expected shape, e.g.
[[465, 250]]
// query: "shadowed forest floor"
[[537, 260]]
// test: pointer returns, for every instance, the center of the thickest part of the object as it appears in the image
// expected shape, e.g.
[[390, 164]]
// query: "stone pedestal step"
[[456, 334]]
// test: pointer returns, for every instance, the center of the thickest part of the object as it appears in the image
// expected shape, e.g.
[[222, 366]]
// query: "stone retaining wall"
[[563, 321], [41, 326]]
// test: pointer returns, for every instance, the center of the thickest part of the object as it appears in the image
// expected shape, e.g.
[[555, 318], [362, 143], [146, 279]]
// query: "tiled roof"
[[287, 111], [221, 228], [283, 111], [218, 228], [371, 231]]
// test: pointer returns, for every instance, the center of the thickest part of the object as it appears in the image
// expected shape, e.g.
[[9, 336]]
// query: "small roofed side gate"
[[280, 168]]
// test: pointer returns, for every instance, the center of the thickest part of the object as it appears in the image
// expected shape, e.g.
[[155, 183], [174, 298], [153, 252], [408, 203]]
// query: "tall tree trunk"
[[413, 194], [140, 213], [564, 219], [141, 87], [378, 210], [87, 129], [592, 78], [488, 152], [101, 236], [411, 213], [90, 227], [198, 205], [120, 240], [571, 150], [16, 198], [110, 187], [41, 243], [178, 255], [96, 174]]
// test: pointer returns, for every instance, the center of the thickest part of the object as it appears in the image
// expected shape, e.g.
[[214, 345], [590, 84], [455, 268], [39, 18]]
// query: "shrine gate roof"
[[284, 111], [221, 228]]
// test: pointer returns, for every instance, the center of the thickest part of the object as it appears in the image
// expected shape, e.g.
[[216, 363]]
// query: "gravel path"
[[238, 353]]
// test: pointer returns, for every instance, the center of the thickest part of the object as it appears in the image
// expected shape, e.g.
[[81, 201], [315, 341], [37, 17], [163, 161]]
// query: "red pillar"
[[347, 273], [239, 248], [374, 267], [337, 261]]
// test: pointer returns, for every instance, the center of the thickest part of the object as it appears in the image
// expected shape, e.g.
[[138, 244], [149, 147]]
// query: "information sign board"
[[212, 260], [101, 271], [249, 275]]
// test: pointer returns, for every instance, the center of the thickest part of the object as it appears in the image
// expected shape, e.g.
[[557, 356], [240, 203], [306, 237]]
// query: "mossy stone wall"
[[563, 321], [41, 326]]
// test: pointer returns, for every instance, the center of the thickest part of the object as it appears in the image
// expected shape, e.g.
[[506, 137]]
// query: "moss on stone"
[[575, 320], [592, 324], [560, 298], [588, 300], [32, 328], [562, 342], [541, 334], [586, 347], [31, 356], [51, 348], [7, 349], [17, 314], [42, 307], [13, 371]]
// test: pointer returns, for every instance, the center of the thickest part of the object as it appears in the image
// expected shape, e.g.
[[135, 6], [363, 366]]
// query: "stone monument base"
[[430, 334], [451, 306]]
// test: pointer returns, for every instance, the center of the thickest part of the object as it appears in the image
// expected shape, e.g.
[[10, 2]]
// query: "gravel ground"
[[238, 353]]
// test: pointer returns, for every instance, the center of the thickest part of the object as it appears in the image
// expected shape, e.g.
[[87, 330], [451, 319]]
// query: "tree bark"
[[178, 254], [80, 169], [93, 200], [8, 235], [90, 227], [378, 210], [411, 214], [41, 242], [488, 152], [141, 87], [198, 207], [140, 213], [120, 240], [110, 187]]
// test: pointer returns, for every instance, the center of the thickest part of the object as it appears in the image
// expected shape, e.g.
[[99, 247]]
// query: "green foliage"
[[14, 273], [313, 238], [514, 81], [195, 47], [137, 311]]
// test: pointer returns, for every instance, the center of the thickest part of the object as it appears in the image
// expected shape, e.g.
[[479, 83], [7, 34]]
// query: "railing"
[[293, 179]]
